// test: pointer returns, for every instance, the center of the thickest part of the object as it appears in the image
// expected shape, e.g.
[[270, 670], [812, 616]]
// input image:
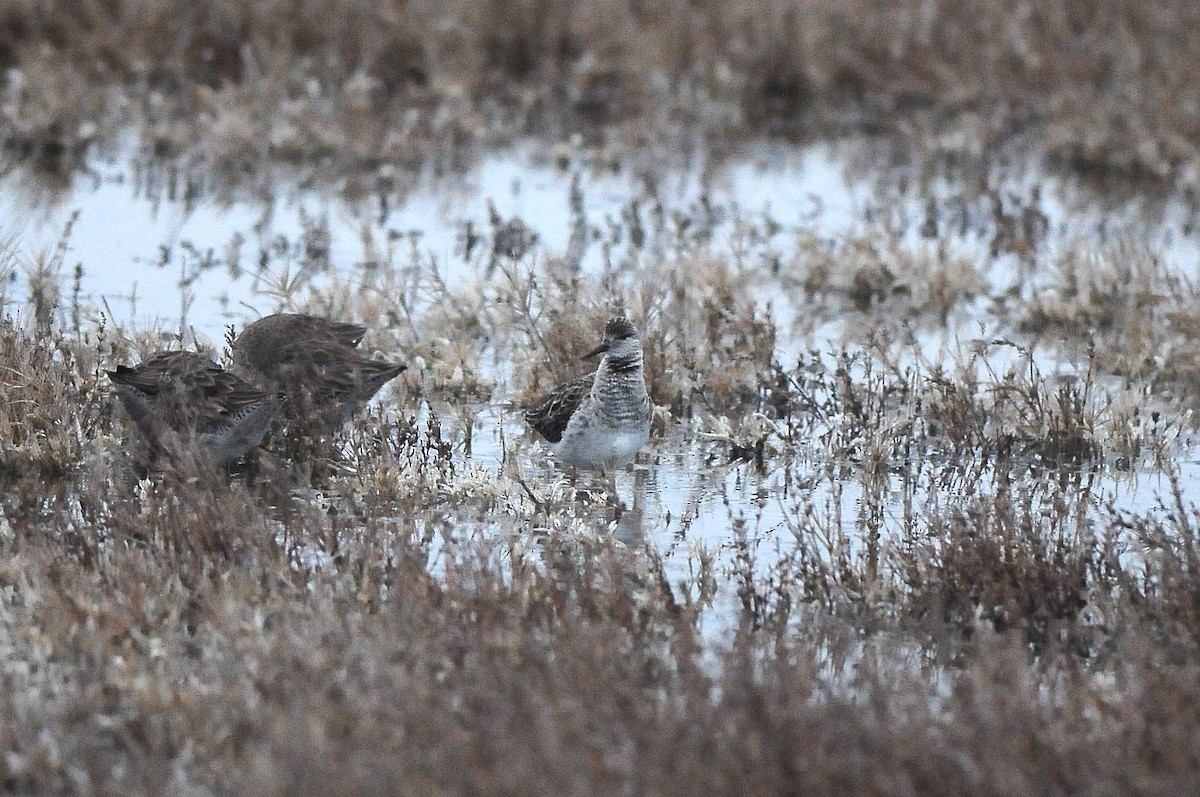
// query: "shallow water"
[[153, 255], [145, 249], [685, 499]]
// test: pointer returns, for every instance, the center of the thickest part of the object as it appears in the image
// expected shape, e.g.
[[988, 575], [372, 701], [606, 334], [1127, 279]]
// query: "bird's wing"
[[163, 370], [549, 418], [348, 334]]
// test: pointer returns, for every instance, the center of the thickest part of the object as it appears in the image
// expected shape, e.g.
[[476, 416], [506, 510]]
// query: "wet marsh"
[[918, 513]]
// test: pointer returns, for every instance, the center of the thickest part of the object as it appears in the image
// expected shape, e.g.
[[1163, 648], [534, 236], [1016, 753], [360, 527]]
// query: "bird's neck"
[[625, 365]]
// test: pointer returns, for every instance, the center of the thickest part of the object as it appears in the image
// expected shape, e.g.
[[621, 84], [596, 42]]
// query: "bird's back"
[[550, 417], [184, 395], [314, 362]]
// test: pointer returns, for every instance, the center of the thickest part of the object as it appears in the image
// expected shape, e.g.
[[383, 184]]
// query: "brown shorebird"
[[601, 419], [182, 402], [313, 362]]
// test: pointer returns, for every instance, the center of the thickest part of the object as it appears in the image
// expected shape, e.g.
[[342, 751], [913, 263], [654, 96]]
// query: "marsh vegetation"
[[918, 514]]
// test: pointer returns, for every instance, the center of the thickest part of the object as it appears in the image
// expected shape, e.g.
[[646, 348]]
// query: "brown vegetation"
[[926, 586], [1106, 88], [420, 623]]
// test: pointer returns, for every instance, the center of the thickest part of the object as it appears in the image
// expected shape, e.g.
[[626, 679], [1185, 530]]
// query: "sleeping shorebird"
[[314, 363], [180, 398], [602, 419]]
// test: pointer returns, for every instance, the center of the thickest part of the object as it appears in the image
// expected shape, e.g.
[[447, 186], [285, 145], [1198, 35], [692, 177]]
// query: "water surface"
[[153, 254]]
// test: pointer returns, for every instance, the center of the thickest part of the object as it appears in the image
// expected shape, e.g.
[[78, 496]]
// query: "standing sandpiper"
[[600, 420], [314, 363], [179, 398]]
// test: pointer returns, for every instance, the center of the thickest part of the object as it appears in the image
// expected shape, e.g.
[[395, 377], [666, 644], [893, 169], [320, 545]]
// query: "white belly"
[[597, 446]]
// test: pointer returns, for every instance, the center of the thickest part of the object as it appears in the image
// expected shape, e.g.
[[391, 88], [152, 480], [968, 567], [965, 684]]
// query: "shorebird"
[[314, 363], [601, 419], [179, 398]]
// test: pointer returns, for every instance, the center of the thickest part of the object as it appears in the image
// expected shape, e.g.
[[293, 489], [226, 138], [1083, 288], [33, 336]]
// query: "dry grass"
[[1127, 303], [420, 623], [173, 639], [949, 604], [1102, 88]]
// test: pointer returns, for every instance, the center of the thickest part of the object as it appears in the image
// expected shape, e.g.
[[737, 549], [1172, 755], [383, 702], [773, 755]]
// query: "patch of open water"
[[153, 256]]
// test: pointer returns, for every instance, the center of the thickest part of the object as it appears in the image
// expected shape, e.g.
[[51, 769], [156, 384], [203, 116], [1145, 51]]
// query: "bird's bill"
[[603, 347]]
